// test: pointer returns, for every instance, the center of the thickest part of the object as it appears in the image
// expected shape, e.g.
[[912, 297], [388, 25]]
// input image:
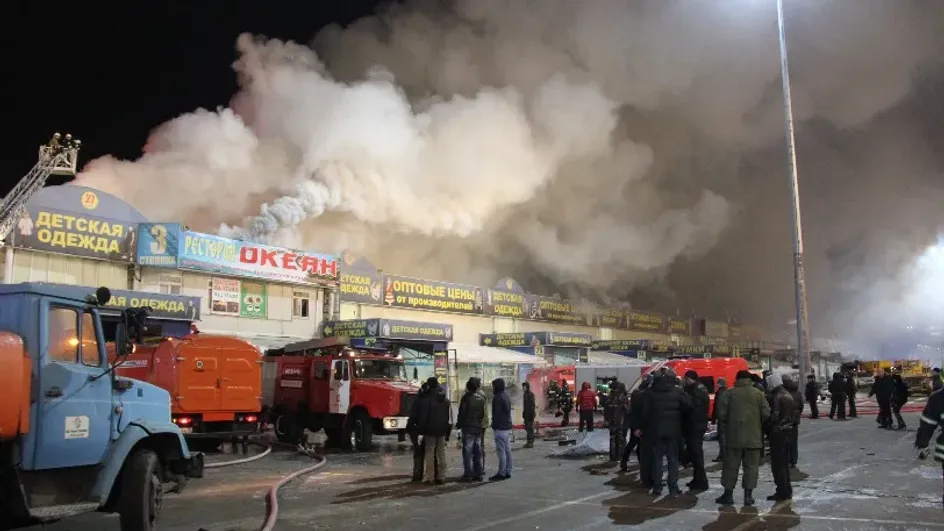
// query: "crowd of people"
[[430, 425], [666, 420], [663, 422]]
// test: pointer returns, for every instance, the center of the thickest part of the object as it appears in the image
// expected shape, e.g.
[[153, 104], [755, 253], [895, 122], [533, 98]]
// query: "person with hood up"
[[412, 429], [665, 406], [722, 388], [434, 424], [528, 414], [837, 397], [937, 379], [811, 393], [742, 415], [899, 399], [883, 389], [469, 421], [502, 426], [586, 404], [782, 417], [616, 407], [565, 401], [696, 425], [851, 389], [793, 443], [635, 428]]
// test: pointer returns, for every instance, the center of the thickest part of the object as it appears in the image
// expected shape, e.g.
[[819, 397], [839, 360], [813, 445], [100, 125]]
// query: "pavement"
[[852, 476]]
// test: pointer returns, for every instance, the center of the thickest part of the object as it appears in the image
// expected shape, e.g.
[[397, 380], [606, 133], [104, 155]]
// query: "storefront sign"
[[157, 244], [388, 329], [406, 292], [71, 233], [717, 329], [513, 340], [646, 321], [569, 339], [503, 303], [621, 345], [556, 310], [163, 306], [205, 252], [253, 300], [535, 339], [682, 327], [365, 287], [224, 296], [610, 319]]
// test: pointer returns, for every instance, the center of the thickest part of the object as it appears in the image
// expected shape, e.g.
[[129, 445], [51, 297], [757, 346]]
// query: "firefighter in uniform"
[[932, 418], [616, 409]]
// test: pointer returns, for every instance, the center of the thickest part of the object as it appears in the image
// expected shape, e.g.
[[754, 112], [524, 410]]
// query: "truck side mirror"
[[121, 340]]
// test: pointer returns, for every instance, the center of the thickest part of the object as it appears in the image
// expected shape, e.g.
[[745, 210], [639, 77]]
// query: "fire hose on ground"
[[272, 497]]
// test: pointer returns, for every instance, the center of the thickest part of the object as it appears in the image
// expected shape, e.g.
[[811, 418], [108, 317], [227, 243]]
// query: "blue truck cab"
[[74, 436]]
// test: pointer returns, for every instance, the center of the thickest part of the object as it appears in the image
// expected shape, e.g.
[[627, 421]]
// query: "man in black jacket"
[[899, 399], [837, 397], [883, 389], [781, 424], [663, 409], [794, 389], [851, 389], [419, 448], [697, 425], [635, 428], [812, 395], [528, 413], [931, 419], [433, 423], [469, 420]]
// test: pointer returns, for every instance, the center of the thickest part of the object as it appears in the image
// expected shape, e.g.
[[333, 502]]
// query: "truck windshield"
[[380, 370]]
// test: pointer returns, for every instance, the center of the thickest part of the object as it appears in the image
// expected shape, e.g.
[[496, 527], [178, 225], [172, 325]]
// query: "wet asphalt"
[[851, 476]]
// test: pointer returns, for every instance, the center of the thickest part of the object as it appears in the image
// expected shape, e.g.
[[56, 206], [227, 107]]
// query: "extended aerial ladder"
[[58, 157]]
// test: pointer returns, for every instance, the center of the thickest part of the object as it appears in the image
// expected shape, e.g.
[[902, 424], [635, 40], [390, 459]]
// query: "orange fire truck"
[[214, 383]]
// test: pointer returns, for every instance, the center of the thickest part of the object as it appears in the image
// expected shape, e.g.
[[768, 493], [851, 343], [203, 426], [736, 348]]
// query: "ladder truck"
[[58, 157]]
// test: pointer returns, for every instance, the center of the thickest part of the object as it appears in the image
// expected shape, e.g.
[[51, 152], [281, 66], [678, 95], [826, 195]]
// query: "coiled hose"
[[272, 498]]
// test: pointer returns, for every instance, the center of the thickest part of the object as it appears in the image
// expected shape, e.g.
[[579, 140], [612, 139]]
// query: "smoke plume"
[[607, 150]]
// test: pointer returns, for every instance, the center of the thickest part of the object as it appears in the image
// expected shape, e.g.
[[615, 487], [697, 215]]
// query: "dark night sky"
[[109, 72]]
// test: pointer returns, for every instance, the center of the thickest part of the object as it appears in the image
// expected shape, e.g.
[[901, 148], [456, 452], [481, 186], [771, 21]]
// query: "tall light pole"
[[802, 323]]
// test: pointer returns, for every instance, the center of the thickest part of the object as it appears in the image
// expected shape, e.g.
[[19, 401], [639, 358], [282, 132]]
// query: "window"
[[301, 302], [89, 347], [170, 283], [320, 371], [63, 335], [338, 371]]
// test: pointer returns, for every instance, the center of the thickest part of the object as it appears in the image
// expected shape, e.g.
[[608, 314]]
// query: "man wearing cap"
[[742, 413], [695, 428]]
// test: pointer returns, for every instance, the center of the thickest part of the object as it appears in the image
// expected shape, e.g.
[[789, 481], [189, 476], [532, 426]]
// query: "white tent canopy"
[[472, 353], [609, 358]]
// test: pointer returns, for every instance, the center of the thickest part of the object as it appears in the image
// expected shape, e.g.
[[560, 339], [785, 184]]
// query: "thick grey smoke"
[[593, 148]]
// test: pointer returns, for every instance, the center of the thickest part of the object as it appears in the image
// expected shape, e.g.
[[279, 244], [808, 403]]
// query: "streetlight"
[[802, 322]]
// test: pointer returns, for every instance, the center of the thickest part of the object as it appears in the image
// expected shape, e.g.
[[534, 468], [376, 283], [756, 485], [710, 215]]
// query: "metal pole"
[[803, 335]]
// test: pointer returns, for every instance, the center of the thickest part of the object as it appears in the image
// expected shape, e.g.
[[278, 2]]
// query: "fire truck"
[[352, 392]]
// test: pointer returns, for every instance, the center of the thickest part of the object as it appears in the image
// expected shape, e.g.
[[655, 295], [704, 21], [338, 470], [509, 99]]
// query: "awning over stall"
[[609, 358], [472, 353]]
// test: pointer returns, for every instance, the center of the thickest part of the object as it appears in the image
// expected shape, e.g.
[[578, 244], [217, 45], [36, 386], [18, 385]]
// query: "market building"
[[270, 296]]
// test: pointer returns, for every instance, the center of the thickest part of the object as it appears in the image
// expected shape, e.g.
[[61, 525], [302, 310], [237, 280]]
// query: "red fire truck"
[[351, 393]]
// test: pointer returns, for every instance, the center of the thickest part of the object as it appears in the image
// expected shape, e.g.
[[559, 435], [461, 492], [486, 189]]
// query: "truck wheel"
[[362, 431], [142, 492], [285, 427]]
